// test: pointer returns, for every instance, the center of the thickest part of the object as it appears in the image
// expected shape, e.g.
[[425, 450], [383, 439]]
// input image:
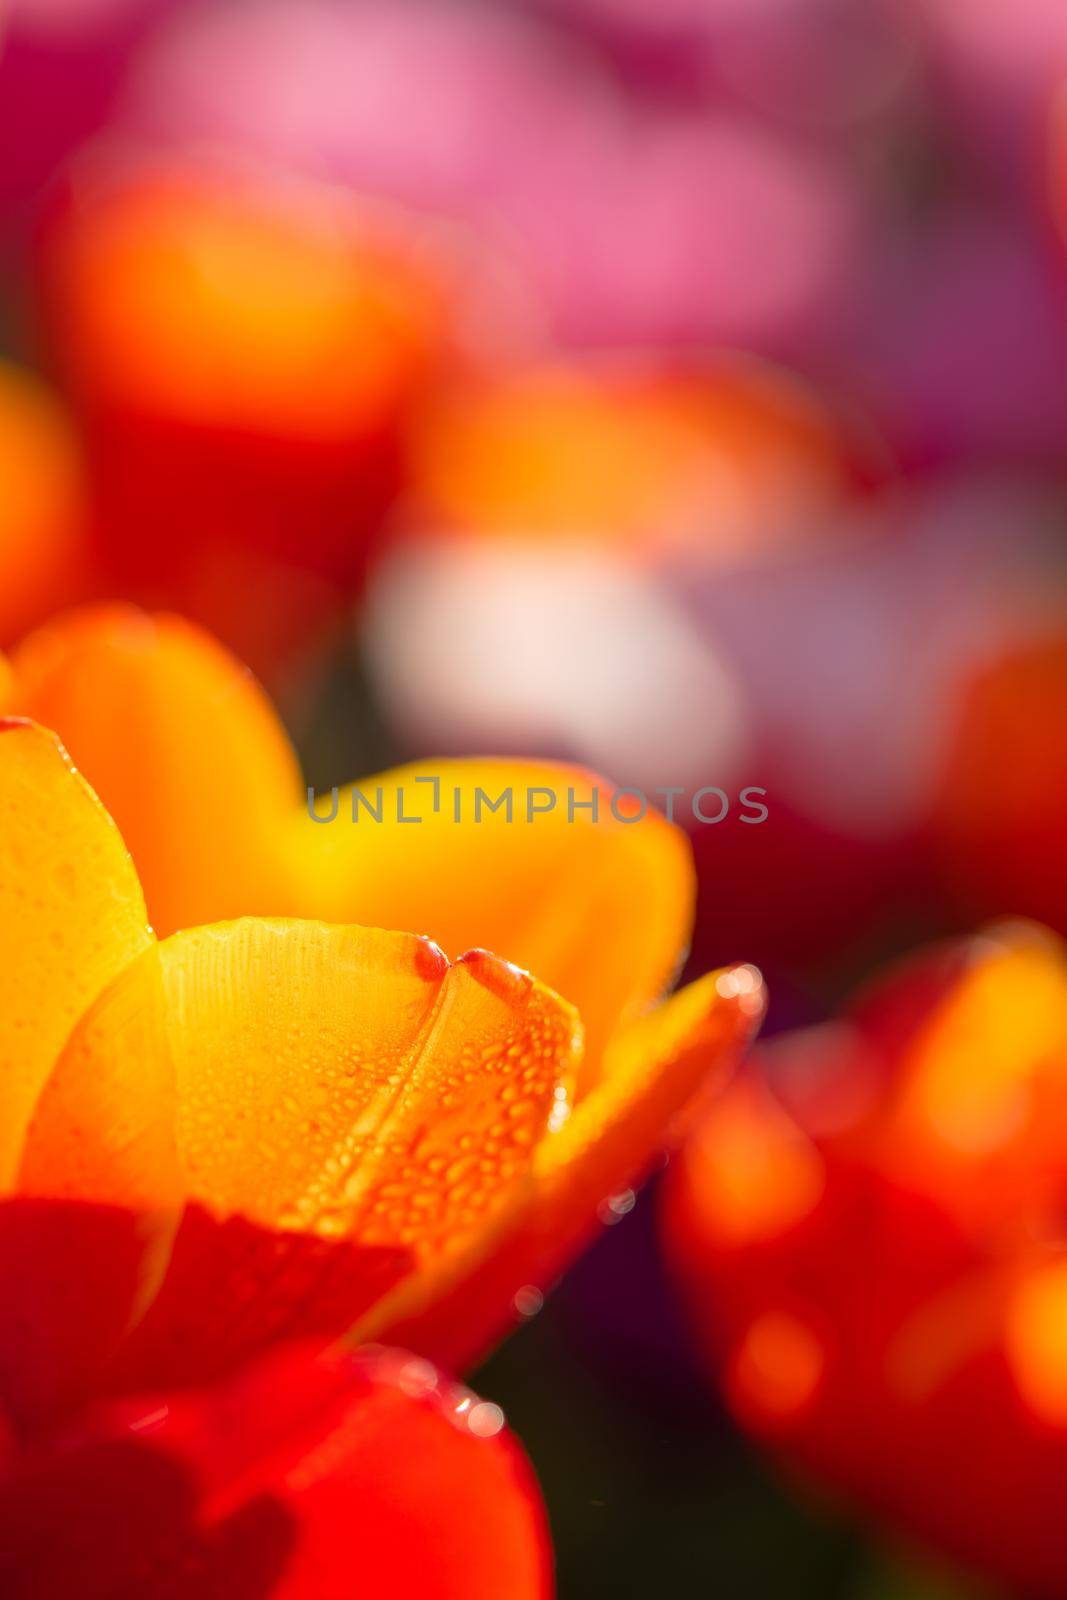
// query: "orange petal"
[[341, 1105], [183, 748], [71, 915], [655, 1073], [601, 911]]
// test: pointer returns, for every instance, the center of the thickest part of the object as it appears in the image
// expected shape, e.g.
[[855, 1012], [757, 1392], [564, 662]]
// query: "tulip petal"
[[71, 916], [600, 910], [182, 746], [655, 1074], [342, 1107], [305, 1479]]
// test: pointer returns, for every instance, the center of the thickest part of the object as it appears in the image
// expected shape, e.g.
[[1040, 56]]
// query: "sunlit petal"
[[599, 909], [71, 915], [328, 1108], [654, 1073], [182, 746]]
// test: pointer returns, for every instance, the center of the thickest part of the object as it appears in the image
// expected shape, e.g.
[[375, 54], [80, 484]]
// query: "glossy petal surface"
[[325, 1108], [71, 915], [654, 1074]]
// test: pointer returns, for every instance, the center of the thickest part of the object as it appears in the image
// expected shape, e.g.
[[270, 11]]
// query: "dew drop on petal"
[[485, 1419], [417, 1378], [528, 1300], [616, 1206]]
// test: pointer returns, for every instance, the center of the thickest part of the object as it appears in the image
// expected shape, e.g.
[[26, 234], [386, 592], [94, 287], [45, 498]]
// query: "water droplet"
[[528, 1300]]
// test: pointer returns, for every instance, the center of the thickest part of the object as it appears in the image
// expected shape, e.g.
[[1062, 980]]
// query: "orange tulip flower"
[[282, 1126], [260, 1115], [870, 1232]]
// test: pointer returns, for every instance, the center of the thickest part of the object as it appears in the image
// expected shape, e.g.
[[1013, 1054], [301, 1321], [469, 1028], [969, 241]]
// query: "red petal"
[[308, 1478]]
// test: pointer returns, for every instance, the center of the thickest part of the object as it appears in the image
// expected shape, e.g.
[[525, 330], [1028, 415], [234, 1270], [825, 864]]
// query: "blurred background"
[[679, 388]]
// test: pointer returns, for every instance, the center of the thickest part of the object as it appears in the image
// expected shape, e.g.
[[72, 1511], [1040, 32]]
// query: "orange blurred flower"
[[43, 505], [243, 350], [277, 1126], [699, 463], [869, 1228]]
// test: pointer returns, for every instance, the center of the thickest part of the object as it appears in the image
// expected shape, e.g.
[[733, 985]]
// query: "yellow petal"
[[183, 748], [600, 910], [343, 1087], [71, 916], [104, 1129]]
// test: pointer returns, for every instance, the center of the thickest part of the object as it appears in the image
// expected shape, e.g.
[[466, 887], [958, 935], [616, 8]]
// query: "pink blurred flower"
[[636, 223], [61, 63], [826, 63]]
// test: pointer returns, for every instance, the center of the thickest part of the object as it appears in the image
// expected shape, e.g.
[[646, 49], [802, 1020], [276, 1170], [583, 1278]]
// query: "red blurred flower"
[[1002, 807], [869, 1228]]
